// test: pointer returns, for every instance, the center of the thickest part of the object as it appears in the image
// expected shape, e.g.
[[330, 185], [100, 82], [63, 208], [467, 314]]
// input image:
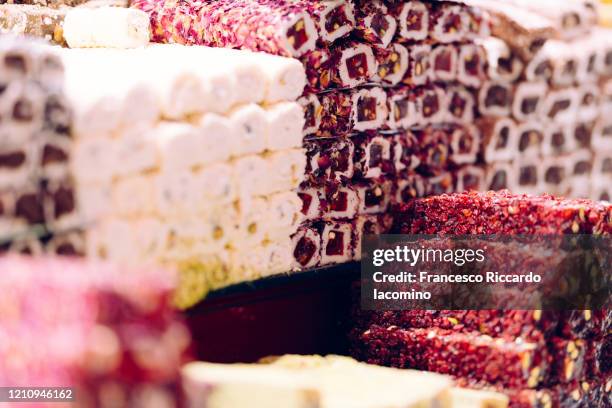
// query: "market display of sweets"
[[326, 382], [387, 105], [537, 358], [546, 120], [37, 198], [107, 331]]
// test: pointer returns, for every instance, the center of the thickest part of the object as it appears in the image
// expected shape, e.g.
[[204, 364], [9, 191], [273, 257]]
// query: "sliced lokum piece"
[[528, 100], [529, 139], [107, 27], [372, 157], [495, 99], [471, 65], [369, 110], [405, 151], [410, 186], [444, 62], [307, 247], [502, 64], [448, 22], [374, 198], [336, 242], [352, 64], [284, 123], [342, 203], [440, 184], [500, 139], [330, 160], [583, 134], [464, 145], [503, 212], [461, 105], [369, 225], [589, 100], [528, 175], [471, 355], [393, 63], [374, 23], [402, 106], [419, 68], [413, 19]]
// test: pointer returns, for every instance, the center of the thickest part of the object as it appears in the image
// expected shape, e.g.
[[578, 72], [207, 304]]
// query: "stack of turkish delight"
[[538, 358], [120, 155], [545, 110], [108, 333], [388, 104], [37, 203], [191, 164]]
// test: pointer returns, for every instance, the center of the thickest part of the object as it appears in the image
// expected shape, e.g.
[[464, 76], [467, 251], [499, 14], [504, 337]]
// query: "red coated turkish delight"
[[461, 105], [444, 62], [392, 63], [503, 213], [495, 323], [515, 364], [419, 65], [282, 28], [352, 64], [464, 145], [123, 334], [330, 159], [307, 247], [495, 99], [375, 224], [336, 239], [374, 23], [372, 157], [413, 20], [570, 361], [528, 100]]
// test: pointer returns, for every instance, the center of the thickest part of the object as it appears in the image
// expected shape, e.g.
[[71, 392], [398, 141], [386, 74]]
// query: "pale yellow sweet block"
[[333, 382]]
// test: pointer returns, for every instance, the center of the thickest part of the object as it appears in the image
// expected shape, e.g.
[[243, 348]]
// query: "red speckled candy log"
[[586, 323], [279, 27], [91, 326], [495, 323], [586, 393], [503, 213], [515, 364]]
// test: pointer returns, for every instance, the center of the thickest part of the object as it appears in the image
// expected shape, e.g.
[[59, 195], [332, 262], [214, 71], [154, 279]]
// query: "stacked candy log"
[[537, 358], [545, 122], [38, 213]]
